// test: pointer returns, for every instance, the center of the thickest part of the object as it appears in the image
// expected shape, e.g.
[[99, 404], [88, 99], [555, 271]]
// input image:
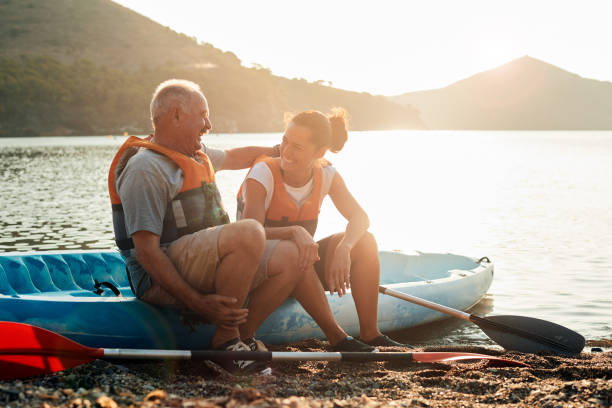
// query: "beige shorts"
[[196, 258], [262, 270]]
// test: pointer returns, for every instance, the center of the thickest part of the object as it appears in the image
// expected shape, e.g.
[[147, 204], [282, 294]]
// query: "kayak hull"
[[55, 291]]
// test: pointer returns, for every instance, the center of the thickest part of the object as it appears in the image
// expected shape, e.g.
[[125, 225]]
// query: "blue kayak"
[[61, 291]]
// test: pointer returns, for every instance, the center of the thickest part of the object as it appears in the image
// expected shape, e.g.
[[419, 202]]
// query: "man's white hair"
[[173, 93]]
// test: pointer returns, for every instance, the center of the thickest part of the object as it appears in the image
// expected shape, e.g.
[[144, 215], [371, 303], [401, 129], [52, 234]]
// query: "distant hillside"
[[99, 31], [90, 66], [524, 94]]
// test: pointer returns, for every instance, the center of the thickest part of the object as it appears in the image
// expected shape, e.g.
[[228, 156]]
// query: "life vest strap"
[[125, 244], [127, 271]]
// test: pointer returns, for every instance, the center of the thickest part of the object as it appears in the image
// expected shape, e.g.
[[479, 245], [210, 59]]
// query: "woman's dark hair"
[[326, 131]]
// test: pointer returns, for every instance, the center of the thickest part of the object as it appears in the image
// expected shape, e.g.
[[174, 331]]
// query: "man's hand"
[[308, 249], [338, 275], [220, 311]]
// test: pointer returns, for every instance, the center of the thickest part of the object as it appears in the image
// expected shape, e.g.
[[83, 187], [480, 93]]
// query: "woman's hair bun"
[[327, 131], [338, 121]]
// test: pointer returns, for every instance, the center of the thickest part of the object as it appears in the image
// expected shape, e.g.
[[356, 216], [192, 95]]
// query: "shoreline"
[[584, 380]]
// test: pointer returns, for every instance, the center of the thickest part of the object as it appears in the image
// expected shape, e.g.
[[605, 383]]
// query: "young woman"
[[285, 195]]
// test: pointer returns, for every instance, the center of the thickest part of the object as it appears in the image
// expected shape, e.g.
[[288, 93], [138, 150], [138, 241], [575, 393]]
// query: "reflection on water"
[[54, 198], [536, 203]]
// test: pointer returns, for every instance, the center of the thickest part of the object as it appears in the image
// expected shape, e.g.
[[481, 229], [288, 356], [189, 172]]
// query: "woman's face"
[[297, 152]]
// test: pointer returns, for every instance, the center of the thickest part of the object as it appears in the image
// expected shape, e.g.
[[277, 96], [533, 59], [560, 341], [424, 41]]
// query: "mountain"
[[524, 94], [90, 67], [99, 31]]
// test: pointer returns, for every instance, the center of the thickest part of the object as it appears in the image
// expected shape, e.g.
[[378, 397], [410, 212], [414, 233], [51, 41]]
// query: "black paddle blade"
[[530, 335]]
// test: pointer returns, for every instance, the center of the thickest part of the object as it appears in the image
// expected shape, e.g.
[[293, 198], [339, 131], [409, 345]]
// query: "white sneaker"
[[255, 345], [240, 366]]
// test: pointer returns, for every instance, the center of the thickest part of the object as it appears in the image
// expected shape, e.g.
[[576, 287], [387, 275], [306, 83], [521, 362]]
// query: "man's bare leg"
[[240, 245], [282, 279]]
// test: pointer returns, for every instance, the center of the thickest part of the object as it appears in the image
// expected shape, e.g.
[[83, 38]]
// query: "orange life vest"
[[196, 207], [283, 211]]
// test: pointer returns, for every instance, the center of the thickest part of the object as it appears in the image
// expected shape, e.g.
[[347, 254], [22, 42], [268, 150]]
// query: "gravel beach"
[[549, 381]]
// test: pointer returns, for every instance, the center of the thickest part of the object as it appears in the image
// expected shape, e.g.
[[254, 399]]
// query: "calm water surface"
[[537, 203]]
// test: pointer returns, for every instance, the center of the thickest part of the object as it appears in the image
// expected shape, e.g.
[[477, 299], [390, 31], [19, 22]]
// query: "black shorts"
[[320, 264]]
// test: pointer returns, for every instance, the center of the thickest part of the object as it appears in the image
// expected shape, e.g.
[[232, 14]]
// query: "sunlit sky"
[[394, 46]]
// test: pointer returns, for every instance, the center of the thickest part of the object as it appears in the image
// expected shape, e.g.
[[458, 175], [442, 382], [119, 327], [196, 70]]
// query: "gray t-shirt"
[[146, 186]]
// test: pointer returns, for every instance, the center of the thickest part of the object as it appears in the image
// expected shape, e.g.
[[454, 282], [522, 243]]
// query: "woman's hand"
[[308, 249], [338, 275]]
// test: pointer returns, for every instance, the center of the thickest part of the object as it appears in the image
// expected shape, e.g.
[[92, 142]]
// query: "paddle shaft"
[[152, 354], [426, 303], [216, 355], [84, 354], [254, 355]]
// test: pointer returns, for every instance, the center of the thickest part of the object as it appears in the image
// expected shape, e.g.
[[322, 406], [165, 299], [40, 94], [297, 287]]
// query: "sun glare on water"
[[417, 201]]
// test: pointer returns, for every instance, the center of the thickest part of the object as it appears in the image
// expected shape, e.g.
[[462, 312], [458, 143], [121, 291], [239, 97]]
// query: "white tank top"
[[262, 174]]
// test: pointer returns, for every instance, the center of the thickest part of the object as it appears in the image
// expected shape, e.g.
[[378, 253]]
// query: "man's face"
[[192, 125]]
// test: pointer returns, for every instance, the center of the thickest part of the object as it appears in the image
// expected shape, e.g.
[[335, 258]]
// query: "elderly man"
[[175, 235]]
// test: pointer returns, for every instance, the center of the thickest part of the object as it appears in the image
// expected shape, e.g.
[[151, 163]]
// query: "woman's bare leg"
[[309, 292], [365, 278]]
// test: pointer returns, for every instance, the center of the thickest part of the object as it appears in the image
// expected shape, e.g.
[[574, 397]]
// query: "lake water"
[[539, 204]]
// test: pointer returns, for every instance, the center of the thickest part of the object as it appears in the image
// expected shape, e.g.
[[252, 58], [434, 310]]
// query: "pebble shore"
[[549, 381]]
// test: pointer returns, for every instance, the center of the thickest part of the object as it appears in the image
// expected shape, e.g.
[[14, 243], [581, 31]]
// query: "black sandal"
[[351, 344], [385, 341]]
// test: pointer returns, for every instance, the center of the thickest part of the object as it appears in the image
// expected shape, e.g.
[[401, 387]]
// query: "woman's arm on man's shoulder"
[[243, 157]]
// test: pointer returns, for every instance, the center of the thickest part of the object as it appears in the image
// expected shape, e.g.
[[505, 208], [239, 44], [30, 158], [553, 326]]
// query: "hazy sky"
[[394, 46]]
